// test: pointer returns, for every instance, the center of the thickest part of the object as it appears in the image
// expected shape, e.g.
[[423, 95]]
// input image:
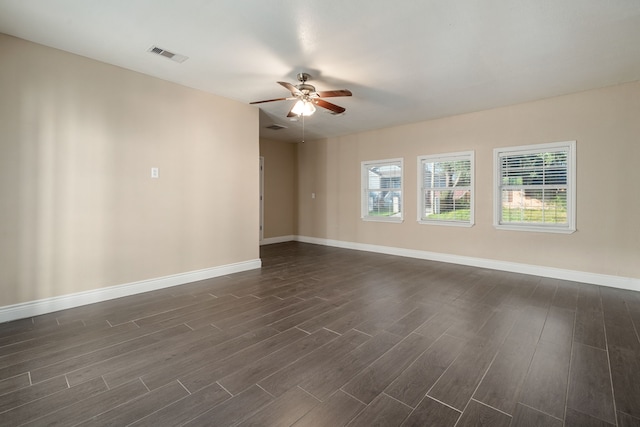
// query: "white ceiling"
[[404, 61]]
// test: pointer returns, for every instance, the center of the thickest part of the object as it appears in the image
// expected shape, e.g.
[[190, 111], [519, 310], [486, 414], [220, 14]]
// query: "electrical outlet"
[[155, 173]]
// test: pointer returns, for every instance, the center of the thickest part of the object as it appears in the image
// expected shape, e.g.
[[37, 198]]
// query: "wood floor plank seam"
[[423, 373], [301, 330], [19, 417], [604, 422], [100, 365], [399, 401], [217, 382], [385, 354], [489, 406], [542, 412], [103, 411], [630, 416], [349, 365], [479, 414], [33, 338], [566, 396], [426, 396], [182, 385], [576, 353], [348, 394], [481, 379], [122, 413], [476, 388], [310, 394], [326, 354], [24, 350], [355, 329], [299, 355], [101, 377], [613, 392], [536, 409], [168, 310], [15, 383], [18, 397], [262, 388], [112, 346], [195, 376], [442, 374], [42, 353]]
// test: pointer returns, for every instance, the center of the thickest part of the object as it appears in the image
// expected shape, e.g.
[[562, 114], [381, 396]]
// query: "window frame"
[[364, 190], [498, 153], [460, 155]]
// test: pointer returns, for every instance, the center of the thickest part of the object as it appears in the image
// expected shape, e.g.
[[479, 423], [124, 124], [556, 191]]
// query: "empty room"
[[320, 213]]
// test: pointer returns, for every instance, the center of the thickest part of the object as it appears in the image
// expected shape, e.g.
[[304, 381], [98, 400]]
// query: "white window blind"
[[382, 190], [535, 188], [445, 189]]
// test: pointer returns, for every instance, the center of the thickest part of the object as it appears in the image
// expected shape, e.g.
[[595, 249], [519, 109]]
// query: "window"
[[535, 187], [382, 190], [445, 189]]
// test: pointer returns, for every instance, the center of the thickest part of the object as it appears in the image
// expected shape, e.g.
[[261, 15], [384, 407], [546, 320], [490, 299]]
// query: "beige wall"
[[280, 188], [79, 210], [606, 125]]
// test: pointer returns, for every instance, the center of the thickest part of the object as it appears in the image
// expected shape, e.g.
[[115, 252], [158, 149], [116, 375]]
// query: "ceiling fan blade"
[[332, 93], [269, 100], [329, 106], [294, 90]]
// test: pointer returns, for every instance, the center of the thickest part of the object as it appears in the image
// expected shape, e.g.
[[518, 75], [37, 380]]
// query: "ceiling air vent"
[[172, 56], [276, 127]]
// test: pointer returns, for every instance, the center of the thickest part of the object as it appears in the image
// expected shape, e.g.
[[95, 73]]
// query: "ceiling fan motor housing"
[[306, 88], [303, 86]]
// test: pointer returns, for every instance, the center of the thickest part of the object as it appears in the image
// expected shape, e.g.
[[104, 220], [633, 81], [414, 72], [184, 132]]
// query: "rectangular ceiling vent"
[[172, 56], [276, 127]]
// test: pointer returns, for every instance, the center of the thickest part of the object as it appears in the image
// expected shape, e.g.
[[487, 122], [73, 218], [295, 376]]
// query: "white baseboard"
[[49, 305], [279, 239], [552, 272]]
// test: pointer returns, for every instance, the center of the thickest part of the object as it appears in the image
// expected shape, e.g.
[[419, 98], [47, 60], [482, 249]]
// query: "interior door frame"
[[261, 225]]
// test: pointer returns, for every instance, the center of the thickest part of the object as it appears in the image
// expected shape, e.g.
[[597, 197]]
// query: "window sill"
[[383, 219], [534, 229], [446, 223]]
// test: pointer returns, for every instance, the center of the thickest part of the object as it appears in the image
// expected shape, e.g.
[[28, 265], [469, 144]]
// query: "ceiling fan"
[[307, 98]]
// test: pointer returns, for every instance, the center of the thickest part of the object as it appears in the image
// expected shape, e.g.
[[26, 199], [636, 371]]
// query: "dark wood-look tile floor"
[[330, 337]]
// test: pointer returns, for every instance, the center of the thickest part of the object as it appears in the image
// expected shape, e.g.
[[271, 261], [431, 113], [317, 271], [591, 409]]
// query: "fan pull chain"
[[303, 128]]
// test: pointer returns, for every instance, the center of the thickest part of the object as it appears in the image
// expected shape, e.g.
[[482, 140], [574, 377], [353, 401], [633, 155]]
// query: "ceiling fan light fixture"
[[309, 109], [304, 108]]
